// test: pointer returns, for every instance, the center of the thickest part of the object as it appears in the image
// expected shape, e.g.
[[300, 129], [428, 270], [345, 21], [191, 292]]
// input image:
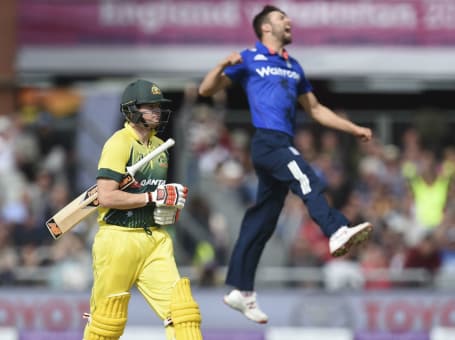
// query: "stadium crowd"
[[405, 189]]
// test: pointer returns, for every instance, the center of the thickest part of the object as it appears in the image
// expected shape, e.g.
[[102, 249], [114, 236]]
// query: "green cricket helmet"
[[143, 92]]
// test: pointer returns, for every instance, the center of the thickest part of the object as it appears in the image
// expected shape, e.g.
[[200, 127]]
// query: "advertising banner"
[[185, 22], [393, 336], [415, 312], [263, 333], [46, 335]]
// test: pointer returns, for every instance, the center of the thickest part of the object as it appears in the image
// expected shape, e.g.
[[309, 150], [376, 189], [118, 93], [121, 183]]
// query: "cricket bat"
[[87, 202]]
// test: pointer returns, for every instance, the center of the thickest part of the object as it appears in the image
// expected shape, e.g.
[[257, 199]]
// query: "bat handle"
[[126, 181]]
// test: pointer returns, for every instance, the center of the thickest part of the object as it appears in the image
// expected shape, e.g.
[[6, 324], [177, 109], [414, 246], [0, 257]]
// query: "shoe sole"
[[241, 311], [355, 239]]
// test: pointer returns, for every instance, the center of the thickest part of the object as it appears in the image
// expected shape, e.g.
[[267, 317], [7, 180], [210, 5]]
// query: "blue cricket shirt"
[[272, 84]]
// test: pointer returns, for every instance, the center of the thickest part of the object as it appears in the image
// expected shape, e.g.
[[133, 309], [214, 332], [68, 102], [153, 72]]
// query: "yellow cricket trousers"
[[123, 257]]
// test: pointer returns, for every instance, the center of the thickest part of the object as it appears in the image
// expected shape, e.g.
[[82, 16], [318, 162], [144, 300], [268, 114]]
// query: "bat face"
[[79, 209], [84, 205]]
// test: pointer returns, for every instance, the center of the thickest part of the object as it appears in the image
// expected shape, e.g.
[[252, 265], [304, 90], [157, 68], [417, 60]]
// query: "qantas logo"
[[277, 71], [153, 182]]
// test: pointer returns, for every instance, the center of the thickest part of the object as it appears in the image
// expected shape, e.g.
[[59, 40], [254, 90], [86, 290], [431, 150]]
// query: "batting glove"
[[168, 195], [166, 215]]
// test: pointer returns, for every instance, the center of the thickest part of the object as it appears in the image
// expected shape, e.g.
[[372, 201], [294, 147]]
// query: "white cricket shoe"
[[346, 237], [245, 302]]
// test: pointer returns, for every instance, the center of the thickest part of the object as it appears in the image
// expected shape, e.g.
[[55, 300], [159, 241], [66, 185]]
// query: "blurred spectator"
[[8, 255], [344, 273], [430, 188], [393, 177], [203, 239], [290, 223], [305, 142], [38, 196], [370, 181], [71, 264], [307, 246], [411, 145], [394, 247], [445, 236], [316, 248], [334, 176], [432, 127], [30, 104], [187, 166], [205, 263], [375, 267], [240, 154], [52, 115], [205, 138], [331, 147], [425, 255], [12, 180]]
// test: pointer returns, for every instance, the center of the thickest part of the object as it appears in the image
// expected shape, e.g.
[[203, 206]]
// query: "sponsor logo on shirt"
[[260, 57], [150, 181], [277, 71]]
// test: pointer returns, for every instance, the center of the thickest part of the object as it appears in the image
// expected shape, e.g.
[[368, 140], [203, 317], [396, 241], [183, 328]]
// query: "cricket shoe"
[[346, 237], [245, 302]]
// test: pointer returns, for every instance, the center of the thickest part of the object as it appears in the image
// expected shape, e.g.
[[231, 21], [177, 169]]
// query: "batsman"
[[132, 246]]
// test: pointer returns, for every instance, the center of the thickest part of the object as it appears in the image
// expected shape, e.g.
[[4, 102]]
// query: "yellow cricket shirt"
[[123, 149]]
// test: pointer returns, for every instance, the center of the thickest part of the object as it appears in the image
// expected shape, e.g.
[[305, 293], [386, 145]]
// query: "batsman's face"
[[151, 114], [281, 27]]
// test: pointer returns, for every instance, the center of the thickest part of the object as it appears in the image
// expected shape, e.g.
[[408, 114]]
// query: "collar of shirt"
[[134, 134], [265, 50]]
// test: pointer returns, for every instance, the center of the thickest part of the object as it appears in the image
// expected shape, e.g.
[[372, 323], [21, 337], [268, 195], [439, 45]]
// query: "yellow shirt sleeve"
[[115, 154]]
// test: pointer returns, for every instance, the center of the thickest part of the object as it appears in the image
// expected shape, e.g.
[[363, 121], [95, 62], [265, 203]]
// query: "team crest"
[[155, 90], [162, 161]]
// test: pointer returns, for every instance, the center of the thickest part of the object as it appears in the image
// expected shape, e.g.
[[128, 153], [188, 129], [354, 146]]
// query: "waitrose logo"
[[277, 71]]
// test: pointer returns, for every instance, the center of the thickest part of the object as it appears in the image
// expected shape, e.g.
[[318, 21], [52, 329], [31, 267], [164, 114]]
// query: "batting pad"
[[109, 319], [185, 314]]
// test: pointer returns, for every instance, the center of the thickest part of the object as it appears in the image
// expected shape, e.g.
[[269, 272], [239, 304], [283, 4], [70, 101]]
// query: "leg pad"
[[108, 320], [184, 312]]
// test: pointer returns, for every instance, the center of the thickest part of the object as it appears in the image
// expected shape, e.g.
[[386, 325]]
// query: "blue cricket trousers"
[[279, 167]]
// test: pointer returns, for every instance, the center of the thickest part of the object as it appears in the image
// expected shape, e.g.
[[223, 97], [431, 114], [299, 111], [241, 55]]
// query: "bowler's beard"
[[287, 40]]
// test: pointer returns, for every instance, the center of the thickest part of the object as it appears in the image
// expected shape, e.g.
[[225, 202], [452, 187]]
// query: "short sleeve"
[[114, 158], [237, 72]]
